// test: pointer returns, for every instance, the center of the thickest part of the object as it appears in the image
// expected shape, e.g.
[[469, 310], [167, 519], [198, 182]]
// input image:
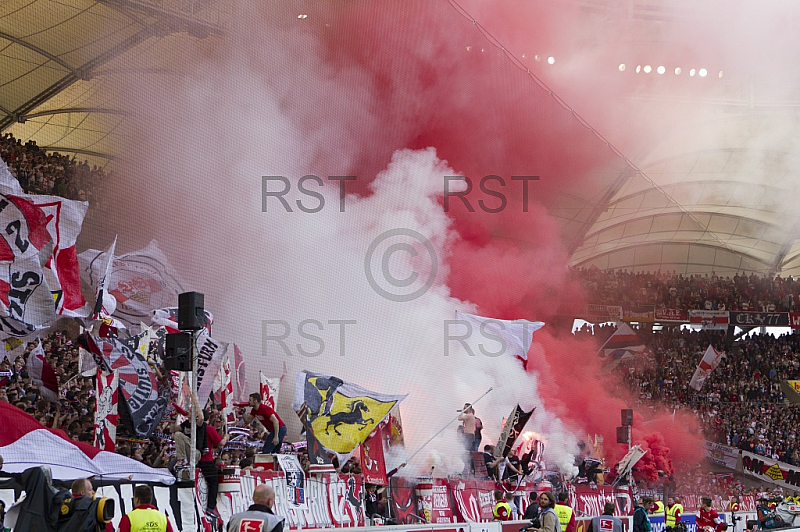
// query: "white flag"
[[494, 337]]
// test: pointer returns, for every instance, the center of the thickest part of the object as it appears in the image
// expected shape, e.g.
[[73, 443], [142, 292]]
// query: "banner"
[[794, 320], [644, 314], [791, 390], [590, 501], [771, 471], [710, 319], [403, 500], [341, 414], [295, 480], [106, 414], [373, 463], [511, 430], [433, 500], [760, 319], [603, 313], [722, 454], [269, 389], [141, 281], [709, 362], [671, 314]]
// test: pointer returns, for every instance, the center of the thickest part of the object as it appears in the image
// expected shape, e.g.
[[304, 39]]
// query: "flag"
[[240, 374], [25, 443], [624, 343], [105, 262], [511, 430], [341, 414], [106, 414], [63, 220], [210, 353], [269, 389], [531, 450], [24, 247], [710, 319], [42, 374], [226, 397], [373, 462], [141, 281], [141, 394], [709, 362], [514, 337]]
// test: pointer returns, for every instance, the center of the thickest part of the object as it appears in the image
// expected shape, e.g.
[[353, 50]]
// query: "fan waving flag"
[[141, 281], [624, 343], [511, 430], [269, 389], [709, 362], [341, 414], [491, 336]]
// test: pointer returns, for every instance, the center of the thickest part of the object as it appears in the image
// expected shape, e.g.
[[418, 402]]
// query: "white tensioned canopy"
[[711, 195], [57, 59]]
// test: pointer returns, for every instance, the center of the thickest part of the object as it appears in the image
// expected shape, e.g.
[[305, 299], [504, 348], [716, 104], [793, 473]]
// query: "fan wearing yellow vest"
[[657, 509], [144, 517], [673, 511], [502, 510], [566, 516]]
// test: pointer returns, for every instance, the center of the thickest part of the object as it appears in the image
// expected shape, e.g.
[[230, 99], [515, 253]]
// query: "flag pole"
[[447, 425]]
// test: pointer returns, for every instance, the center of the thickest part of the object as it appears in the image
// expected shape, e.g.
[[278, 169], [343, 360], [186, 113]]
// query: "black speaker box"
[[627, 417], [190, 311], [622, 434], [178, 352]]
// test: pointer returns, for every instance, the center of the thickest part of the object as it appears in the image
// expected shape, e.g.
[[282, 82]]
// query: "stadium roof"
[[700, 199]]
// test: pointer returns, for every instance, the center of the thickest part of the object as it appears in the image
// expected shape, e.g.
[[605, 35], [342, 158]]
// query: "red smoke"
[[439, 82]]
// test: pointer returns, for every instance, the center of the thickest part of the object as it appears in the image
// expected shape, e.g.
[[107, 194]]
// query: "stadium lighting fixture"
[[691, 73], [622, 67], [720, 74], [551, 60], [703, 72], [647, 69], [677, 71], [661, 69], [302, 16], [638, 68]]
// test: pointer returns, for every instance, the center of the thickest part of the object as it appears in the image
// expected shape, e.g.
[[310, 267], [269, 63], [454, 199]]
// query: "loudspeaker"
[[622, 434], [191, 314], [178, 352], [627, 417]]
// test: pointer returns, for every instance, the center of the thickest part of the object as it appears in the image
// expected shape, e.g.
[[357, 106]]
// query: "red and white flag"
[[106, 413], [61, 220], [269, 389], [373, 462], [25, 443], [239, 374], [709, 362], [42, 374]]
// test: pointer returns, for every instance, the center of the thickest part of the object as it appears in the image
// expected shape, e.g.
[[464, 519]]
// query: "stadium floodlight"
[[678, 71], [661, 69], [703, 72], [647, 69], [622, 67], [551, 60], [691, 73]]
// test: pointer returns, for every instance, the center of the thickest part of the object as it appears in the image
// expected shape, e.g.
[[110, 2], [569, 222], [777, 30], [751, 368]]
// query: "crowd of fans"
[[741, 404], [692, 292], [51, 173]]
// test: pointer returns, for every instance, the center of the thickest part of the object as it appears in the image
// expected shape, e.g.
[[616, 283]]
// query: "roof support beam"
[[73, 110], [41, 52]]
